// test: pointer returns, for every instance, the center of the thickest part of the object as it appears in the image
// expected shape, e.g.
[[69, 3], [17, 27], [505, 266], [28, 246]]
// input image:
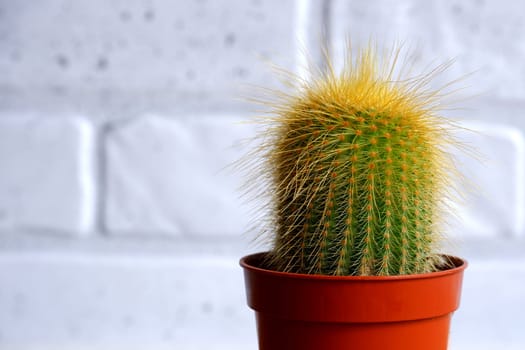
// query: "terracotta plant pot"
[[303, 312]]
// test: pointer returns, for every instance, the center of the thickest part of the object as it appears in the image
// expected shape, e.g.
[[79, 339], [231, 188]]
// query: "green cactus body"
[[358, 172]]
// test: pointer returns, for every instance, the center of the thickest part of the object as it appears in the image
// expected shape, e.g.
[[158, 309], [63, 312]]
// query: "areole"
[[307, 312]]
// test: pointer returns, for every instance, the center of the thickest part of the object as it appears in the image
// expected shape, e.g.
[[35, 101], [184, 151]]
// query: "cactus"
[[358, 172]]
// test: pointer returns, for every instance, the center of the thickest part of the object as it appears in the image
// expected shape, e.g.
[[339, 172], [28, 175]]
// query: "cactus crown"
[[358, 172]]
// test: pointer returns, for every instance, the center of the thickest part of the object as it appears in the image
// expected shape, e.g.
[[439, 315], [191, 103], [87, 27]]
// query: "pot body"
[[307, 312]]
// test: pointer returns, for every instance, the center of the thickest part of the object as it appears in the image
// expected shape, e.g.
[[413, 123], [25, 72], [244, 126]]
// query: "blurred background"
[[121, 225]]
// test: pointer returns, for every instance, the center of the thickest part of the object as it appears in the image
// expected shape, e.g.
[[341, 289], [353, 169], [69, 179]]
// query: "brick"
[[488, 320], [47, 180], [480, 35], [494, 167], [117, 301], [166, 52], [171, 176]]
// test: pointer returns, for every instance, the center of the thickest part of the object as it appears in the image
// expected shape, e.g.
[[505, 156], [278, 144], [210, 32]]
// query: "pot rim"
[[247, 262]]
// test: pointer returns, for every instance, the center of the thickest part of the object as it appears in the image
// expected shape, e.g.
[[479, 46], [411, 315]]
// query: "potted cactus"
[[358, 176]]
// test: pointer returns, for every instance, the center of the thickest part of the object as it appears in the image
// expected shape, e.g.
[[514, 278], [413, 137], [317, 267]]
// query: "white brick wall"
[[120, 220]]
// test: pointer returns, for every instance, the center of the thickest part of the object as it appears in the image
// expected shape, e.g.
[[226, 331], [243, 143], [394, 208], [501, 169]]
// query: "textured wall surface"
[[121, 221]]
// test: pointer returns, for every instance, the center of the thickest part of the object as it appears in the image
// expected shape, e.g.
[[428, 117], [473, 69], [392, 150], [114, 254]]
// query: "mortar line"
[[101, 178], [326, 33], [302, 10]]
